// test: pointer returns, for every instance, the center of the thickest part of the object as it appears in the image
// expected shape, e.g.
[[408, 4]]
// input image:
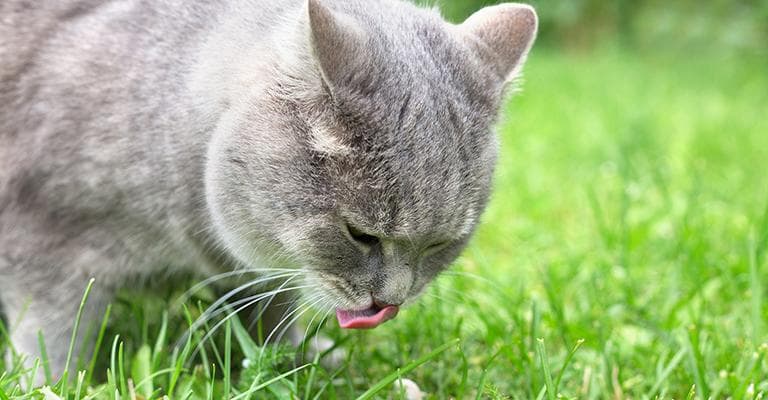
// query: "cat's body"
[[142, 139]]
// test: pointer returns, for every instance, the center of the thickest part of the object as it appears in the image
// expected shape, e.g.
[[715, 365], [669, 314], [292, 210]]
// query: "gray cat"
[[341, 148]]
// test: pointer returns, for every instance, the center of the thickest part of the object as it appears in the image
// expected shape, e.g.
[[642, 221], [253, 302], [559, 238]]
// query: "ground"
[[623, 256]]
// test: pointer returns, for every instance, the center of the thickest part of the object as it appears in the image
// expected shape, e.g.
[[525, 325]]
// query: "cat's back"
[[33, 32], [92, 91], [22, 24], [69, 44], [83, 88], [26, 28]]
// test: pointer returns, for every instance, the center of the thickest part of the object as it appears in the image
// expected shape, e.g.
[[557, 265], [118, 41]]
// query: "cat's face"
[[371, 172]]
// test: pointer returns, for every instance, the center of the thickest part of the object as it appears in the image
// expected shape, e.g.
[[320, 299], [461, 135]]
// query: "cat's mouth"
[[369, 318]]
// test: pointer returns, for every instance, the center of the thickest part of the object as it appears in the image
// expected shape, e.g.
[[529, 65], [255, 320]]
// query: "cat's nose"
[[379, 303]]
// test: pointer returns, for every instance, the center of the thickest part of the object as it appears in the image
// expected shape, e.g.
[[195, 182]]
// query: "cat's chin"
[[368, 318]]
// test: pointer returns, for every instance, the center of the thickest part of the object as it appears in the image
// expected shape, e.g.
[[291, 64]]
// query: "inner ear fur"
[[502, 35]]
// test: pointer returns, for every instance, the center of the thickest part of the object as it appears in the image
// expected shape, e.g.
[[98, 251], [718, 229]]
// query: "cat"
[[343, 148]]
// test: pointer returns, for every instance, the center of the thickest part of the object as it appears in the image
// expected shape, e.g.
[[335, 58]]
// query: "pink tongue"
[[365, 319]]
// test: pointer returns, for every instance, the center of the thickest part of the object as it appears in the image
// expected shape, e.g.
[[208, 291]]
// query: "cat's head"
[[367, 156]]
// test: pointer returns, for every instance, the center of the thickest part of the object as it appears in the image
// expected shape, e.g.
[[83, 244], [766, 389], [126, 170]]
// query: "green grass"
[[623, 256]]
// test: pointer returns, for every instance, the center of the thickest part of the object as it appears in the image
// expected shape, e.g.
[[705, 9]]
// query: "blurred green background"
[[685, 26]]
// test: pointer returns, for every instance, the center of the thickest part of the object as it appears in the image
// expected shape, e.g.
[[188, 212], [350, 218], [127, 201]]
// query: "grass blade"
[[269, 382], [389, 379], [484, 375], [567, 361], [97, 346], [141, 369], [542, 351], [160, 342], [757, 291], [244, 339], [44, 358], [227, 357], [79, 387], [667, 371], [73, 339]]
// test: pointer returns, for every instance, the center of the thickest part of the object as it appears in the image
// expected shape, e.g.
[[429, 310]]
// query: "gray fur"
[[142, 139]]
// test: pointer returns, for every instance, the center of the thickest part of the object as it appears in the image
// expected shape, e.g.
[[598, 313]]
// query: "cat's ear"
[[336, 42], [502, 35]]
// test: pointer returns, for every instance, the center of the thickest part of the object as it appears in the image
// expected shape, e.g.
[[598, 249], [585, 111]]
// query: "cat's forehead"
[[412, 57], [421, 176], [426, 70]]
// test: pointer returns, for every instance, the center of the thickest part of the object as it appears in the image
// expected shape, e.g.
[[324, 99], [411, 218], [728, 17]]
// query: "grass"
[[623, 256]]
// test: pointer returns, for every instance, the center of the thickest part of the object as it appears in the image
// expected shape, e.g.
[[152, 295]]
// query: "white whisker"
[[221, 300], [306, 305], [271, 293], [204, 318], [239, 272], [249, 301]]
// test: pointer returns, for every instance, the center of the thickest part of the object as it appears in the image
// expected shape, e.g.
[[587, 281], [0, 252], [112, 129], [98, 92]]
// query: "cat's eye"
[[362, 237], [435, 247]]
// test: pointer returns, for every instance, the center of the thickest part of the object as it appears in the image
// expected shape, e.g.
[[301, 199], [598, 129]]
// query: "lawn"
[[623, 256]]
